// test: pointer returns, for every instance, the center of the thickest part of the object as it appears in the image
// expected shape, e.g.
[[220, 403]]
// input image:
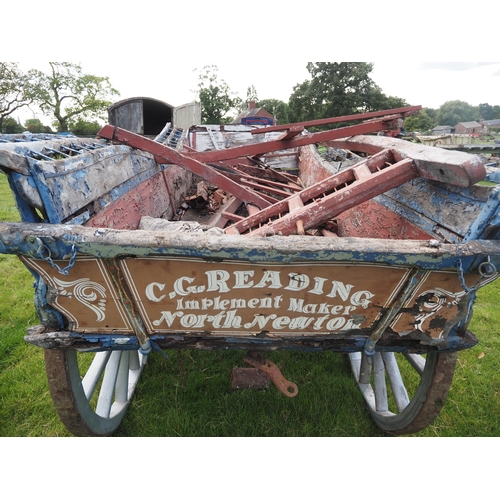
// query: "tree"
[[486, 112], [68, 94], [15, 87], [277, 108], [11, 126], [337, 89], [35, 126], [216, 98], [82, 127], [453, 112], [419, 123]]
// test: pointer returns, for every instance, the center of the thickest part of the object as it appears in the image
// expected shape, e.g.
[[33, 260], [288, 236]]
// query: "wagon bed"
[[380, 260]]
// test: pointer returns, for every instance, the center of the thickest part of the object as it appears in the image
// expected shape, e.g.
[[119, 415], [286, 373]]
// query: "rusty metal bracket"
[[257, 360]]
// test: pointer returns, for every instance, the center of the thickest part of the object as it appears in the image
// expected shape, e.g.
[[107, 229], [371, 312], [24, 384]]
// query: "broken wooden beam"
[[452, 167], [164, 154], [364, 187], [406, 111], [303, 140], [221, 217], [297, 200]]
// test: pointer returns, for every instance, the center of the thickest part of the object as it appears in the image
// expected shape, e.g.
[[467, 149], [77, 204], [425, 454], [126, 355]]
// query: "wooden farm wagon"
[[252, 238]]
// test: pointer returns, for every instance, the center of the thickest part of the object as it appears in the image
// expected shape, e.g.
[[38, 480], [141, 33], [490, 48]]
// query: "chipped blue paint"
[[442, 210], [489, 216], [450, 213], [26, 211]]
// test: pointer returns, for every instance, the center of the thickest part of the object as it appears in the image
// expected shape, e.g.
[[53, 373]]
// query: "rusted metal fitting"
[[257, 360]]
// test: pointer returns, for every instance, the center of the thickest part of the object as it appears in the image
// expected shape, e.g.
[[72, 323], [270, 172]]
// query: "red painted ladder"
[[326, 199]]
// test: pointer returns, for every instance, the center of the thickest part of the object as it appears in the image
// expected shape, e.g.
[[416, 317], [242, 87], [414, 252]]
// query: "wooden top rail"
[[410, 110]]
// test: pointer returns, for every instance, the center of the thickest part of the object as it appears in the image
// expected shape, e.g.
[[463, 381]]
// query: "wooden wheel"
[[91, 391], [404, 392]]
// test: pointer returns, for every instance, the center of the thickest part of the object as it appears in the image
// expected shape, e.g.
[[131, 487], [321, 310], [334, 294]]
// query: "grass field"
[[190, 394]]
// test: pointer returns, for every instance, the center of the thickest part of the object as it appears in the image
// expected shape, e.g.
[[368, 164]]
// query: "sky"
[[157, 49], [429, 84]]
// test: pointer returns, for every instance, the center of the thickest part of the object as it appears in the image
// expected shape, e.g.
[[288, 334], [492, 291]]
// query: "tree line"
[[76, 101], [71, 98], [334, 89]]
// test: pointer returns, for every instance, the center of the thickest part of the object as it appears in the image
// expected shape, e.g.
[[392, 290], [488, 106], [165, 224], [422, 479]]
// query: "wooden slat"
[[291, 132], [306, 195], [263, 186], [164, 154], [406, 111], [304, 140], [219, 219], [451, 167], [332, 205]]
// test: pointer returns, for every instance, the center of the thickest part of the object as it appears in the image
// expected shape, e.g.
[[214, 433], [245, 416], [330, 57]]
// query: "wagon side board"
[[275, 289]]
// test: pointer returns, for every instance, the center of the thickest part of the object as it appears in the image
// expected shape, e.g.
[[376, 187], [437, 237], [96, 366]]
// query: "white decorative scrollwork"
[[84, 291], [441, 298]]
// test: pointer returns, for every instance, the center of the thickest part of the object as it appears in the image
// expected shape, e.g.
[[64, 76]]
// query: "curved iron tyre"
[[91, 396], [404, 392]]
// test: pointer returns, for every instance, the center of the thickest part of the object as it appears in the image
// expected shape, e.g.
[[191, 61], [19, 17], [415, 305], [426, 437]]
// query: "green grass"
[[190, 394]]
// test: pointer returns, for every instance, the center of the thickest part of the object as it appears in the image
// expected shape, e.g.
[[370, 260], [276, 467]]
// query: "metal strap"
[[44, 253], [487, 270]]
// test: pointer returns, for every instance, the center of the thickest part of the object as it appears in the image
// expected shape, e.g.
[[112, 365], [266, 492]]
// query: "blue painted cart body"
[[104, 284]]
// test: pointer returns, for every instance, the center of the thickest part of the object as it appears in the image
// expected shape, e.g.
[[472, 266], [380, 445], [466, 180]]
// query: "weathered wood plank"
[[276, 145], [320, 188], [164, 154], [451, 167], [14, 162], [108, 243], [406, 111]]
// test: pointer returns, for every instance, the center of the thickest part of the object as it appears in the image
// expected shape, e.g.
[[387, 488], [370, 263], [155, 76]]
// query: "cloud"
[[453, 66]]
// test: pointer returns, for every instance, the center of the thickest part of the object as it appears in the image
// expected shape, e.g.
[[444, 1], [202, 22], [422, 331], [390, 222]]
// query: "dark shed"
[[141, 115]]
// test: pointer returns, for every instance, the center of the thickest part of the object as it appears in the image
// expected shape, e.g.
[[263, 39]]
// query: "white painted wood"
[[379, 383], [397, 386], [417, 361], [94, 373], [365, 369], [134, 361], [121, 389], [107, 391], [366, 389]]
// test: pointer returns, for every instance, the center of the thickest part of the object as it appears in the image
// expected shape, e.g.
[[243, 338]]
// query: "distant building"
[[443, 129], [487, 124], [254, 116], [468, 128], [148, 116]]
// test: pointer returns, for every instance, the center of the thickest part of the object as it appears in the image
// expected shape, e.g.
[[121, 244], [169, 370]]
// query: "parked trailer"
[[380, 260]]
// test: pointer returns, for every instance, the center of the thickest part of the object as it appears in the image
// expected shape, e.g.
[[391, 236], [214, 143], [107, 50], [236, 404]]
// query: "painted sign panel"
[[86, 296], [434, 302], [234, 298], [238, 298]]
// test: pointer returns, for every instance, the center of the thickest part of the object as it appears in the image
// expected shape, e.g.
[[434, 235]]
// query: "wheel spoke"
[[105, 400], [417, 361], [365, 369], [92, 398], [96, 369], [379, 383], [366, 389], [396, 381], [121, 390], [427, 379], [135, 361]]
